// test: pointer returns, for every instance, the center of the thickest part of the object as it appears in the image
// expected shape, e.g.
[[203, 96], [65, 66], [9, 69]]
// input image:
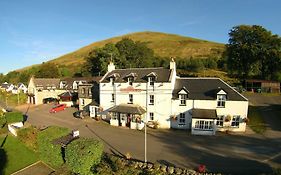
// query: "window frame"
[[151, 80], [235, 122], [151, 99], [221, 100], [131, 99], [112, 97], [151, 116], [130, 80], [182, 119], [204, 125], [182, 98], [220, 120]]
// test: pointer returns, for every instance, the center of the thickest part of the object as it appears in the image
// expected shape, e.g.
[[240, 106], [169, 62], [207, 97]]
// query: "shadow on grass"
[[3, 156]]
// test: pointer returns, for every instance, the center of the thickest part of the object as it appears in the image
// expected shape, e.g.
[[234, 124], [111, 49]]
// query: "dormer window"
[[151, 81], [183, 98], [112, 80], [221, 101], [221, 98], [183, 95], [130, 81]]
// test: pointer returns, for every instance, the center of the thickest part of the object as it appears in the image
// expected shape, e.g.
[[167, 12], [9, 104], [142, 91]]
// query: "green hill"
[[163, 44]]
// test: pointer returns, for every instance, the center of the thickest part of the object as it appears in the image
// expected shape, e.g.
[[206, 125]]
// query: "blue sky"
[[33, 31]]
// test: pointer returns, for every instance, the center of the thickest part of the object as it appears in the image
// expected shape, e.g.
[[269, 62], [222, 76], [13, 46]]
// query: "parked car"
[[58, 108], [81, 114], [49, 100]]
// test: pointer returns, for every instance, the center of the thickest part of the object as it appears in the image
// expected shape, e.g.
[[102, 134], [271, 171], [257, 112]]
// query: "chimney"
[[173, 64], [110, 67]]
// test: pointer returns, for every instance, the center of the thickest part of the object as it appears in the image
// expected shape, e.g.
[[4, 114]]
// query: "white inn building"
[[158, 95]]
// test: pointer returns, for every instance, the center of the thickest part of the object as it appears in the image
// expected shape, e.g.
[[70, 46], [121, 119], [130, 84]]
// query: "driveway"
[[235, 154], [270, 109]]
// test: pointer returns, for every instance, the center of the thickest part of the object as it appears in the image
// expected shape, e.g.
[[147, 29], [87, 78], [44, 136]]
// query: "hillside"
[[163, 44]]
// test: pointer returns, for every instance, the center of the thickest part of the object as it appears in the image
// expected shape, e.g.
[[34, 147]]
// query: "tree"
[[253, 51], [48, 70]]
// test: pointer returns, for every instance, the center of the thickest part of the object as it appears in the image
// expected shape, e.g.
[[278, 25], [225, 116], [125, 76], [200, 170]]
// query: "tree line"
[[252, 52]]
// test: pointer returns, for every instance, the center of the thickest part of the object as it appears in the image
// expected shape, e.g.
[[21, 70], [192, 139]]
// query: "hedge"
[[48, 152], [12, 117], [29, 137], [82, 155]]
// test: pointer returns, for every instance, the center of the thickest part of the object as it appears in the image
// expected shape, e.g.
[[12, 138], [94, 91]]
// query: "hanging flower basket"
[[227, 118], [174, 117], [246, 120]]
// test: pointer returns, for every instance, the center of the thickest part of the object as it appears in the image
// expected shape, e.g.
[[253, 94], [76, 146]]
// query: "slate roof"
[[87, 80], [46, 82], [204, 113], [206, 89], [141, 74], [127, 109]]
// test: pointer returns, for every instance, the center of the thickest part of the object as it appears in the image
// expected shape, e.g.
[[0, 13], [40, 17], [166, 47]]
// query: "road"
[[227, 153]]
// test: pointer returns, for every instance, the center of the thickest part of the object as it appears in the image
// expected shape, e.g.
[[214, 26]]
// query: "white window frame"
[[151, 81], [151, 99], [151, 116], [221, 99], [183, 98], [112, 97], [114, 116], [204, 125], [182, 119], [220, 120], [235, 121], [131, 99], [130, 81]]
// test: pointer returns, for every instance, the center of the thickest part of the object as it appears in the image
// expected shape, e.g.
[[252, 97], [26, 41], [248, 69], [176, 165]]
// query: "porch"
[[203, 122], [127, 115]]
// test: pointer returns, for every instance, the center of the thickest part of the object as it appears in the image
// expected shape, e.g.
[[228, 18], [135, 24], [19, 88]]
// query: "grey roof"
[[87, 80], [46, 82], [127, 109], [204, 113], [206, 89], [66, 94], [140, 74]]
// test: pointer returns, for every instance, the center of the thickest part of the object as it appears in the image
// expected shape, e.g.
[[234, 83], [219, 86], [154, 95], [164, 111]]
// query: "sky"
[[34, 31]]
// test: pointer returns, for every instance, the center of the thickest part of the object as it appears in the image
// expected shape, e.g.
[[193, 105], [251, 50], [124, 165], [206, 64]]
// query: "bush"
[[29, 137], [48, 152], [12, 117], [83, 154]]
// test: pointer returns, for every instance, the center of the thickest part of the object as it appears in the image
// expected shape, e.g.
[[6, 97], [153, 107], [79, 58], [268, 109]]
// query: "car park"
[[57, 108], [49, 100]]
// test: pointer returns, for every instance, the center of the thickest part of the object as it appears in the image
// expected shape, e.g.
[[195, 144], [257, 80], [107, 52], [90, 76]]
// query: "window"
[[151, 99], [112, 81], [114, 116], [221, 100], [83, 91], [235, 121], [204, 125], [82, 102], [182, 119], [90, 91], [151, 81], [131, 100], [112, 97], [130, 81], [183, 98], [151, 116], [220, 120]]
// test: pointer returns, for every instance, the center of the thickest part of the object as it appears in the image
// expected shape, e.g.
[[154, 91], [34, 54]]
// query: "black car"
[[49, 100], [80, 114]]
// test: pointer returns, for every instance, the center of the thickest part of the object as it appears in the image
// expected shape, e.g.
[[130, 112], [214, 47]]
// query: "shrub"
[[29, 137], [83, 154], [12, 117], [49, 152]]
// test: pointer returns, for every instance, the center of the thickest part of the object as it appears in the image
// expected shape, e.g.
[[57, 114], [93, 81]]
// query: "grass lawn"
[[257, 123], [18, 155]]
